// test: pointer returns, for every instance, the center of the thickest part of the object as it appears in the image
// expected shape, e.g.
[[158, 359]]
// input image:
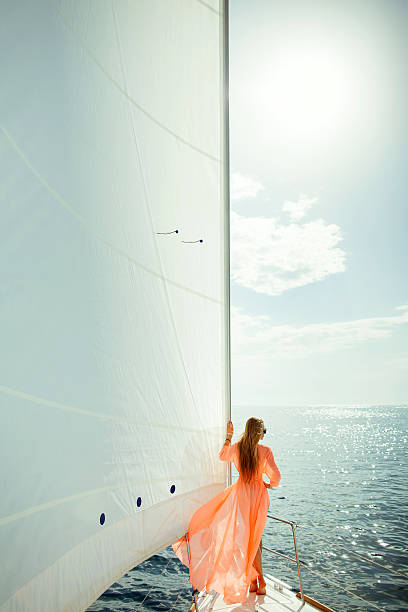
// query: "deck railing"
[[296, 560], [299, 563]]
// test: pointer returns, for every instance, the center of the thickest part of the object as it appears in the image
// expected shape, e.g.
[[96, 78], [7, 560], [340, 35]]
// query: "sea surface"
[[344, 479]]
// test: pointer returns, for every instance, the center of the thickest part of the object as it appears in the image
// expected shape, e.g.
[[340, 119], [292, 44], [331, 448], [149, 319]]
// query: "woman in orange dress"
[[225, 534]]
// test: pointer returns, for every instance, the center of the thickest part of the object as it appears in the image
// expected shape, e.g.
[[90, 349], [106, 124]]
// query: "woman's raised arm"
[[227, 452]]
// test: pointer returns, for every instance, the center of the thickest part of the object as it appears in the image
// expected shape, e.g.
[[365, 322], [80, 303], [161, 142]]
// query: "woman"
[[225, 533]]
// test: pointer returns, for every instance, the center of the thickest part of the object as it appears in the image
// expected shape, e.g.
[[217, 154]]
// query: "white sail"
[[114, 374]]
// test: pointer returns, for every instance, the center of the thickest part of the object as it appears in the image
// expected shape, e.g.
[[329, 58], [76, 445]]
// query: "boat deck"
[[279, 598]]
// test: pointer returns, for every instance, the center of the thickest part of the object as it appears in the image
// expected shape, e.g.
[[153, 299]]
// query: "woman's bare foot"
[[254, 586], [261, 586]]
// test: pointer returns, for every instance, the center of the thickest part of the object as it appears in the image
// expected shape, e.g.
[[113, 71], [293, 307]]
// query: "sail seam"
[[210, 8], [149, 214], [125, 93], [89, 228], [62, 500], [100, 415]]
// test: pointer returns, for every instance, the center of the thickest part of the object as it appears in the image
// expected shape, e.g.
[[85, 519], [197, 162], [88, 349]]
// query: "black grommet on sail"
[[192, 241], [173, 232]]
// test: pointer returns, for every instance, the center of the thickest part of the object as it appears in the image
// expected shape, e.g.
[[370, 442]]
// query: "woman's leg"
[[258, 559], [258, 566]]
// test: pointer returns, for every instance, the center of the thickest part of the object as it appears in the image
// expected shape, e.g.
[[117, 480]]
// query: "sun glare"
[[306, 95]]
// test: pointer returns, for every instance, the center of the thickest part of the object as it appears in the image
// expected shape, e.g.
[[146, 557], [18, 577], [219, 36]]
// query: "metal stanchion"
[[194, 594], [293, 527]]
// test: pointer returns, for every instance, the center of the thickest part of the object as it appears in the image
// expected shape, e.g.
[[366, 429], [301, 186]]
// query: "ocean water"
[[344, 479]]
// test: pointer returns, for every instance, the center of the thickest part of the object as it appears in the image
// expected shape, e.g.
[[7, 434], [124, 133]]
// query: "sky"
[[319, 206]]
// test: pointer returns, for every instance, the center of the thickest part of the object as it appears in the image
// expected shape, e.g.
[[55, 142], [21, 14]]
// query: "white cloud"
[[256, 338], [297, 210], [244, 186], [270, 257]]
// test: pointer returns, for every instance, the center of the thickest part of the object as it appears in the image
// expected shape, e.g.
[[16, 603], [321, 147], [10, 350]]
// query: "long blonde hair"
[[247, 448]]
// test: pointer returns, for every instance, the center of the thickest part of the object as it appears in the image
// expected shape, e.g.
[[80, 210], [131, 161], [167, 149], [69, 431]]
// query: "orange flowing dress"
[[224, 533]]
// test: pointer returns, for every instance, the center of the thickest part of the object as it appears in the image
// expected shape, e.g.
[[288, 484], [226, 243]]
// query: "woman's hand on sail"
[[267, 485], [230, 429]]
